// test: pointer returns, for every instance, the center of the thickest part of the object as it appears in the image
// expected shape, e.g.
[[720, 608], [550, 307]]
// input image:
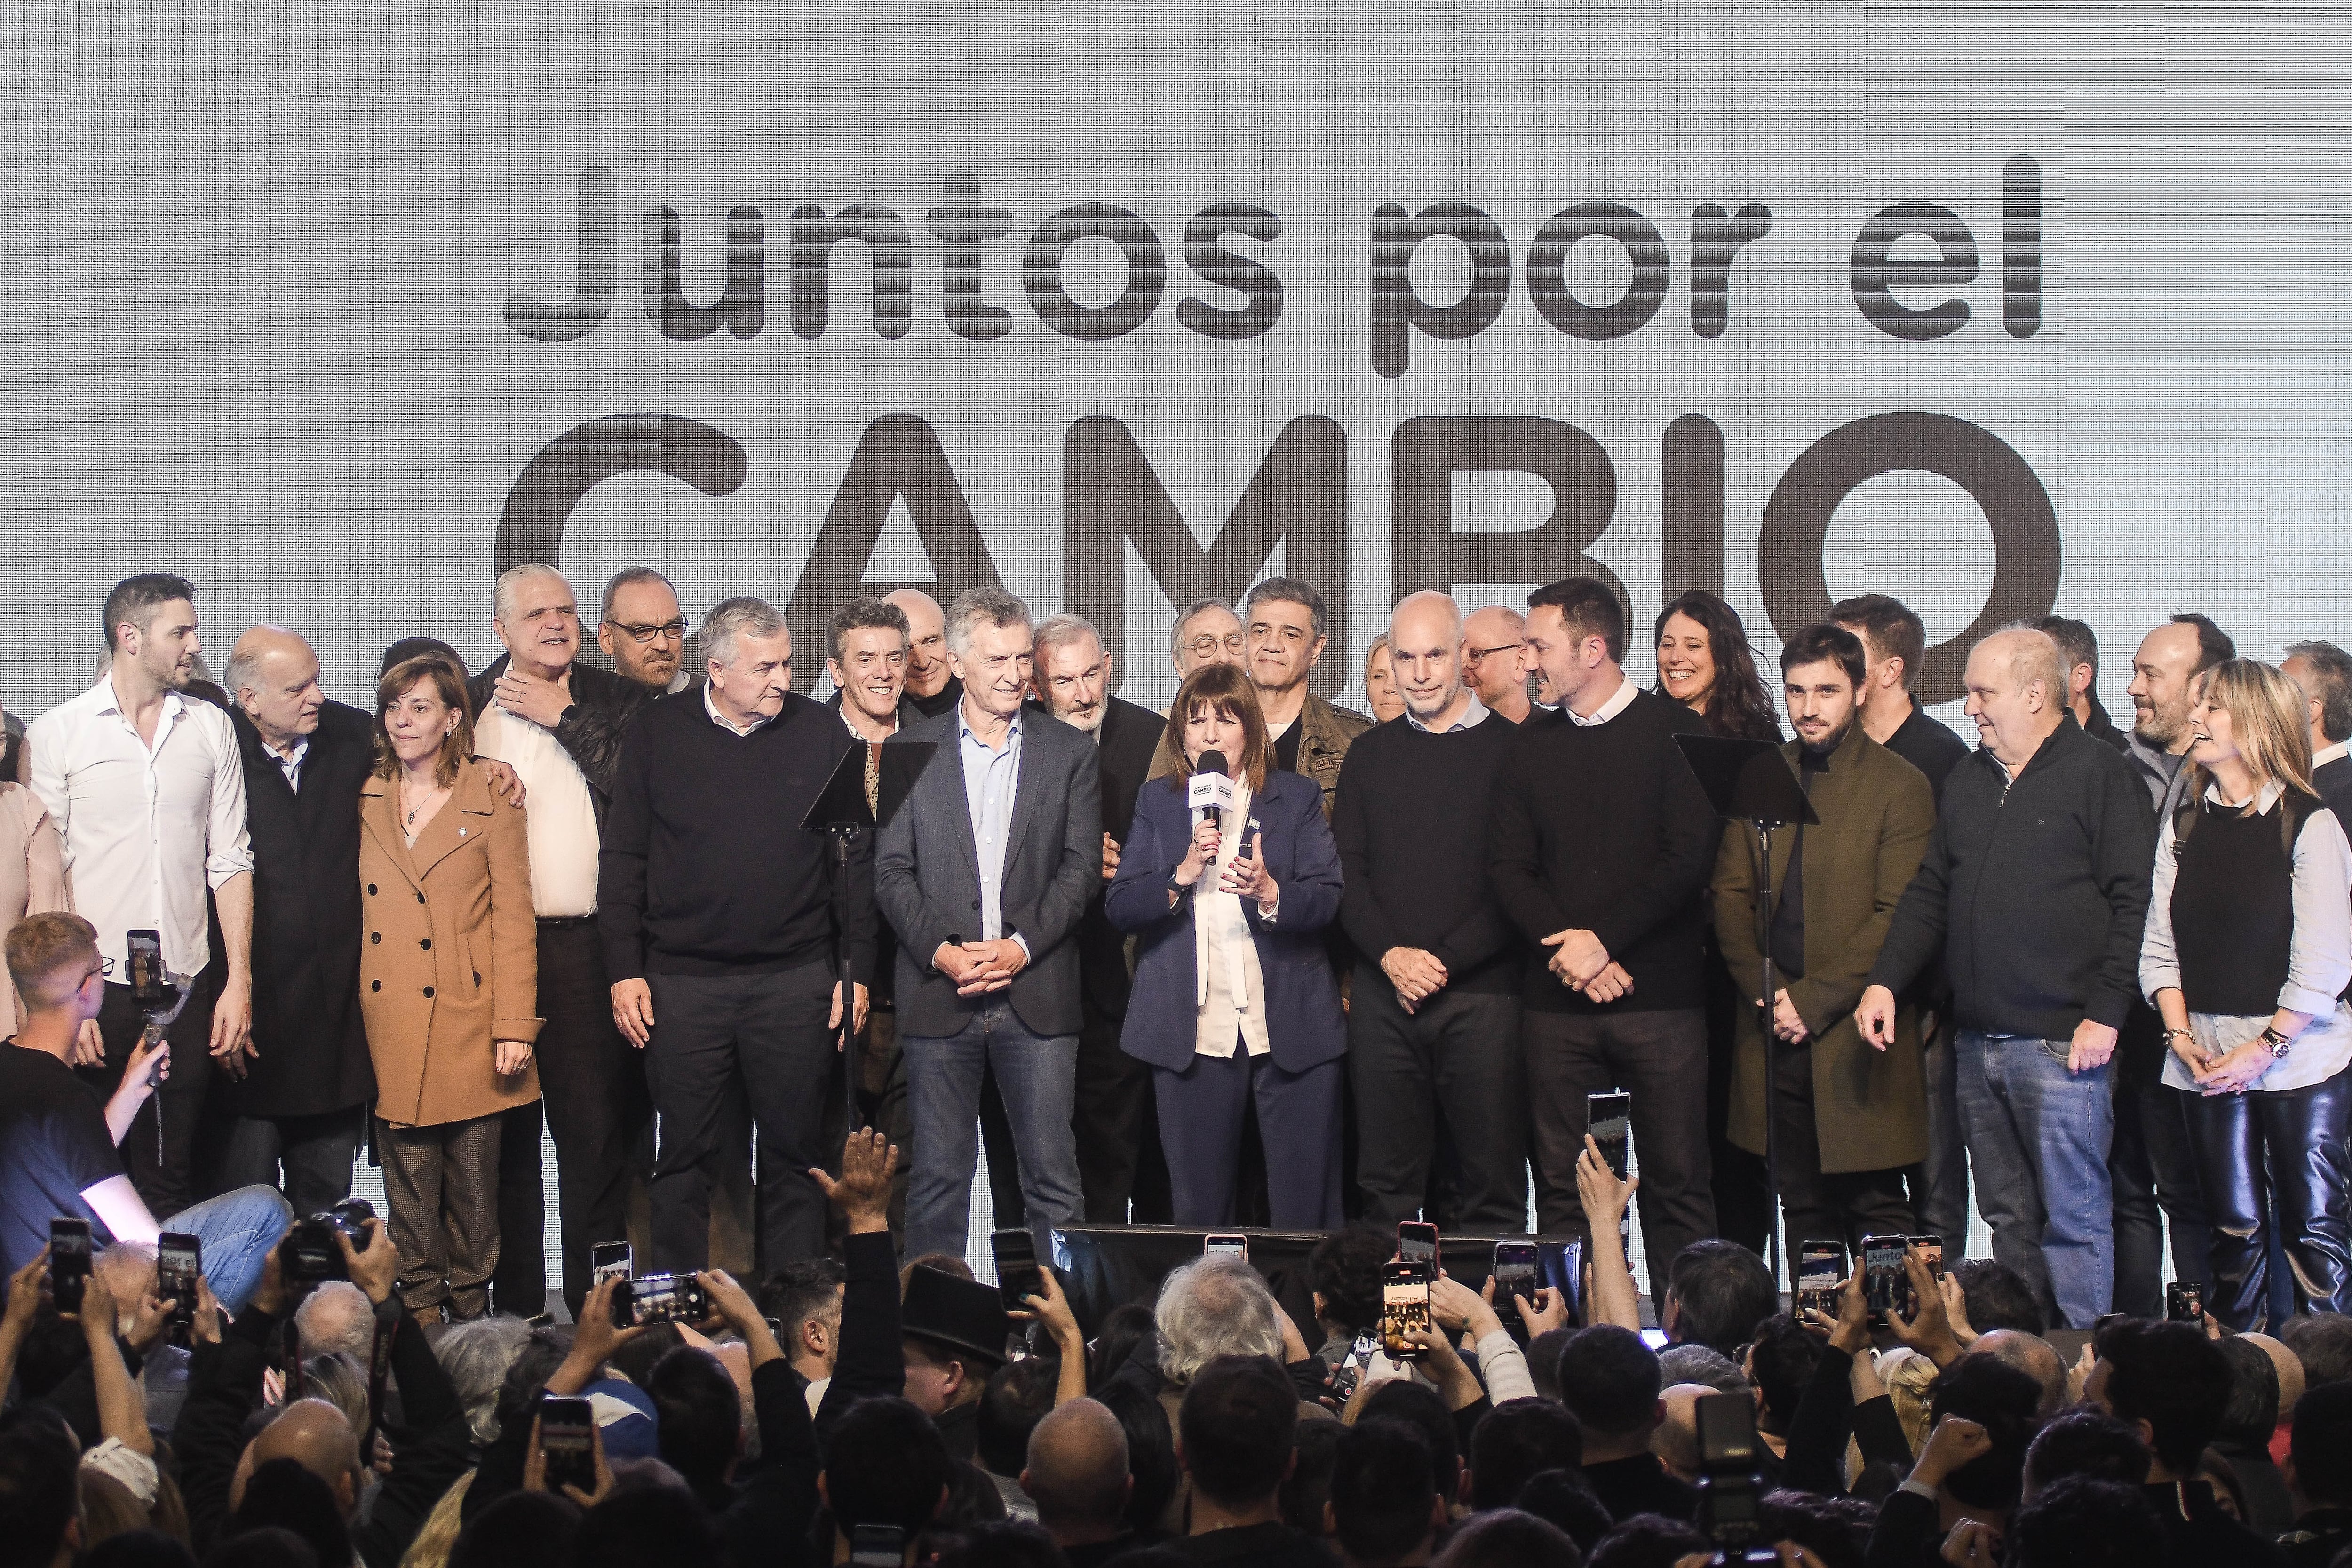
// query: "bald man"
[[932, 687], [2034, 1356], [1434, 1023], [1077, 1476], [2034, 888], [299, 1090], [1494, 661]]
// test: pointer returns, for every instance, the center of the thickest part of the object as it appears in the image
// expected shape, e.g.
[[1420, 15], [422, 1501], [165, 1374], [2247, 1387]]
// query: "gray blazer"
[[927, 875]]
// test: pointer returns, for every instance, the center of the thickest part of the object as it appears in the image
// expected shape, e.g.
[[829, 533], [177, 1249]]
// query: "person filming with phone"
[[58, 1143], [1229, 878]]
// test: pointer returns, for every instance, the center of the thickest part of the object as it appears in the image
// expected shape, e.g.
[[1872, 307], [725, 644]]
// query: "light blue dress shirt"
[[990, 778]]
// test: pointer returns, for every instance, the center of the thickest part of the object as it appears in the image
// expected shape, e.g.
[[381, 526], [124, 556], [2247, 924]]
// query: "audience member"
[[1344, 1273], [1307, 1490], [804, 1297], [2080, 1522], [1440, 1422], [2083, 1442], [954, 1331], [1780, 1363], [2319, 1477], [1383, 1511], [1561, 1498], [1518, 1439], [1076, 1475], [1717, 1292], [522, 1529], [1995, 1296], [1018, 1396], [1150, 1458], [1701, 1364], [2323, 1342], [1233, 1439], [885, 1465], [2033, 1356], [2241, 1444], [1609, 1381], [1510, 1539]]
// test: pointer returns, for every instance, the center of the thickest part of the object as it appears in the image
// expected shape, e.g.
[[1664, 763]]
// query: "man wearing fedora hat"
[[954, 1332]]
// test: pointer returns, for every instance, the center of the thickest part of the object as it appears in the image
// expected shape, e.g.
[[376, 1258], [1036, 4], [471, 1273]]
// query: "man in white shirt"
[[147, 790], [557, 723]]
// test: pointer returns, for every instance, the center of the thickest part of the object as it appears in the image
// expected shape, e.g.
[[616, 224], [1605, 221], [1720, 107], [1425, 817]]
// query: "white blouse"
[[1228, 990]]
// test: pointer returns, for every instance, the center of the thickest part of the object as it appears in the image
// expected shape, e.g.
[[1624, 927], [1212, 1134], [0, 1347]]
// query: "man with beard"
[[1117, 1133], [2163, 690], [146, 787], [643, 631], [1847, 1120], [932, 687]]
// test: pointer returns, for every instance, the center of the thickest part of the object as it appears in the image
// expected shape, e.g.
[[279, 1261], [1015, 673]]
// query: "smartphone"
[[1417, 1242], [1820, 1266], [1885, 1285], [1727, 1432], [567, 1430], [1225, 1244], [1405, 1306], [611, 1261], [1610, 1119], [179, 1261], [1017, 1277], [69, 1262], [2184, 1301], [877, 1546], [150, 987], [660, 1299], [1351, 1370], [1931, 1250], [1514, 1273]]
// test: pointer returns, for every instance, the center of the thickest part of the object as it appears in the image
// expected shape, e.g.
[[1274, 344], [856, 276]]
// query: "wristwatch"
[[2279, 1044], [1176, 887]]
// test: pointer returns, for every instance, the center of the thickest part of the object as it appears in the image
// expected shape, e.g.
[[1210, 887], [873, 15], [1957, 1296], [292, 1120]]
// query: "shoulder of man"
[[940, 727], [480, 685], [606, 688], [1344, 722]]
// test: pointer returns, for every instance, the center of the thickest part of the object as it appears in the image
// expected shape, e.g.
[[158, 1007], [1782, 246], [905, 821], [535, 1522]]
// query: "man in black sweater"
[[719, 919], [2034, 888], [1436, 1019], [1600, 849]]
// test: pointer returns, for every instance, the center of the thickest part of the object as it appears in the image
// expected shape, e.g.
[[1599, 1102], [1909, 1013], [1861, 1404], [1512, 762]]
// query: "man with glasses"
[[1494, 661], [643, 630], [1208, 632], [558, 723]]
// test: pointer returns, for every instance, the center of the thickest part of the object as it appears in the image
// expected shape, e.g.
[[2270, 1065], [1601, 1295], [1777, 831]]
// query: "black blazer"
[[312, 1048], [1123, 757]]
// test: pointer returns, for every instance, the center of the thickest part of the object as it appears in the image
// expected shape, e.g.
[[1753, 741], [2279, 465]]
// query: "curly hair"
[[1739, 705]]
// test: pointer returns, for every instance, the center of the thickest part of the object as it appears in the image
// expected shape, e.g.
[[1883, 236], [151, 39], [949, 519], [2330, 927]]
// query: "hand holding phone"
[[567, 1443], [1017, 1277], [179, 1264], [1405, 1308], [69, 1258], [1610, 1119]]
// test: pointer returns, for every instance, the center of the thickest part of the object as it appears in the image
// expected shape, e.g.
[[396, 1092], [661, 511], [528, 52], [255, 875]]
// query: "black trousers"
[[593, 1082], [164, 1175], [1459, 1053], [314, 1153], [1742, 1211], [772, 1025], [2153, 1176], [1660, 1059], [1117, 1125], [1818, 1206], [518, 1282], [2287, 1148], [1939, 1194]]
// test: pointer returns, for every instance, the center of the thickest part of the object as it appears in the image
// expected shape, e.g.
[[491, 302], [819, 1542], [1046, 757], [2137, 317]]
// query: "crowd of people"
[[1257, 960]]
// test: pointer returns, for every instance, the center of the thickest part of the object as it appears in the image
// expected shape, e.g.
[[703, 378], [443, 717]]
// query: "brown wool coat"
[[1876, 813], [450, 959]]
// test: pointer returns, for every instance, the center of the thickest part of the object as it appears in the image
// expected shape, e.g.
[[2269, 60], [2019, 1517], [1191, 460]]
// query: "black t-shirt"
[[1286, 746], [53, 1147]]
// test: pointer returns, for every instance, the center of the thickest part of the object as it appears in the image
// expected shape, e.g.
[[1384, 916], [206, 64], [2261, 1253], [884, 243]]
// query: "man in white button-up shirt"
[[147, 790]]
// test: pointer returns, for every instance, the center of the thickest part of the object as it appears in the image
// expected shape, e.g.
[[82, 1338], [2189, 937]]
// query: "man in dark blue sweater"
[[1435, 1017], [2034, 888], [718, 914]]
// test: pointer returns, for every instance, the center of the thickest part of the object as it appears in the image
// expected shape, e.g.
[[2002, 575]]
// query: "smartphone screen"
[[1610, 1119], [1404, 1307], [1727, 1432], [610, 1260], [149, 986], [1514, 1270], [566, 1428], [179, 1260], [1820, 1266], [1225, 1244], [1016, 1268], [1883, 1280], [1931, 1250], [660, 1299], [2184, 1301], [69, 1256], [877, 1546], [1416, 1241]]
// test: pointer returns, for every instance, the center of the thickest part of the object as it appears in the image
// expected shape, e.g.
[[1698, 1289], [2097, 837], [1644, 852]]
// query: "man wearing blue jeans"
[[2035, 890], [57, 1143], [984, 872]]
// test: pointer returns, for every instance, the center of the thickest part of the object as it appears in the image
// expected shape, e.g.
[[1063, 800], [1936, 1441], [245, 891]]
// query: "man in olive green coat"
[[1849, 1119]]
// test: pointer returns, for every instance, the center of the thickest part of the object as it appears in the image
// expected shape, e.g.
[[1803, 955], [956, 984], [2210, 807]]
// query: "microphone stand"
[[1765, 828]]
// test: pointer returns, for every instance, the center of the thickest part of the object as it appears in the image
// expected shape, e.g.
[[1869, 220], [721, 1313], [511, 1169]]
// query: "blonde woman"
[[2247, 954], [448, 984], [1381, 693], [32, 875]]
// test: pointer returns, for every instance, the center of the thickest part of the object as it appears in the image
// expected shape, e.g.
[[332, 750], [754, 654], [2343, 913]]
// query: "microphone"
[[1209, 789]]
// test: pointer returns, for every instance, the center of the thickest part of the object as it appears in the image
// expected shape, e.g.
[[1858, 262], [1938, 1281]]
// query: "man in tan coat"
[[1849, 1119]]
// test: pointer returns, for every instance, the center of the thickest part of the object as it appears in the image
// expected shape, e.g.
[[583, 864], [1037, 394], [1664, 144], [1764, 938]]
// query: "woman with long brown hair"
[[2247, 954], [1234, 1001], [1705, 664], [448, 984]]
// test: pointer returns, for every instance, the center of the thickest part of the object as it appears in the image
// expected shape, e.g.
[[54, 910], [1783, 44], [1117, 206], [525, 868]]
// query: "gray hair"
[[625, 577], [1198, 607], [337, 1316], [2034, 658], [244, 667], [476, 1355], [2331, 682], [1055, 630], [743, 615], [1287, 591], [502, 591], [1213, 1307], [342, 1382], [975, 608]]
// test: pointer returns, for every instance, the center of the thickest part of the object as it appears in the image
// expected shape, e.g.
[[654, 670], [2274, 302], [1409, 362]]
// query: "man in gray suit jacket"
[[984, 872]]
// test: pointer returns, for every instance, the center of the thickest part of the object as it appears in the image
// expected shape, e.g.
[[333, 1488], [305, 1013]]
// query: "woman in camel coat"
[[448, 985], [32, 875]]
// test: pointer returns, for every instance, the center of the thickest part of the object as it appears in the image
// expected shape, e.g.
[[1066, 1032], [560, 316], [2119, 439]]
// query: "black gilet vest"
[[2234, 903]]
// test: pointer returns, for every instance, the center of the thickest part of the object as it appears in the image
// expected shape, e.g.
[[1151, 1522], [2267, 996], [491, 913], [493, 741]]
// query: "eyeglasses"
[[1208, 643], [1476, 654], [670, 629]]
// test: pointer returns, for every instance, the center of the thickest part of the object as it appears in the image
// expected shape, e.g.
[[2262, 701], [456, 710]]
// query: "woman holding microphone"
[[1234, 999], [2247, 954]]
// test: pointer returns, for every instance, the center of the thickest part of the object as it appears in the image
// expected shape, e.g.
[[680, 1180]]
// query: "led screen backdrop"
[[1997, 307]]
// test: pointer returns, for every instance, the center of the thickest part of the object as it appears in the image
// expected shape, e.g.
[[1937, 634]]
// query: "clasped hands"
[[1584, 964], [979, 967]]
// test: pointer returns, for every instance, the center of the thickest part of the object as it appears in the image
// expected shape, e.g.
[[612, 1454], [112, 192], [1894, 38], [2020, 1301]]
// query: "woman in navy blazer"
[[1233, 998]]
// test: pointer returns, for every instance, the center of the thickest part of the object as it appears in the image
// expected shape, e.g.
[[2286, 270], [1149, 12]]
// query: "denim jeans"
[[2038, 1137], [1038, 1075], [234, 1233]]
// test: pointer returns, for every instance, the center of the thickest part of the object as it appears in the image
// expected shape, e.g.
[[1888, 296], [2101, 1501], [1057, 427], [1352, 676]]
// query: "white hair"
[[732, 618], [975, 608], [1055, 630], [1213, 1307], [476, 1355], [336, 1316], [244, 668], [502, 591], [2035, 656]]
